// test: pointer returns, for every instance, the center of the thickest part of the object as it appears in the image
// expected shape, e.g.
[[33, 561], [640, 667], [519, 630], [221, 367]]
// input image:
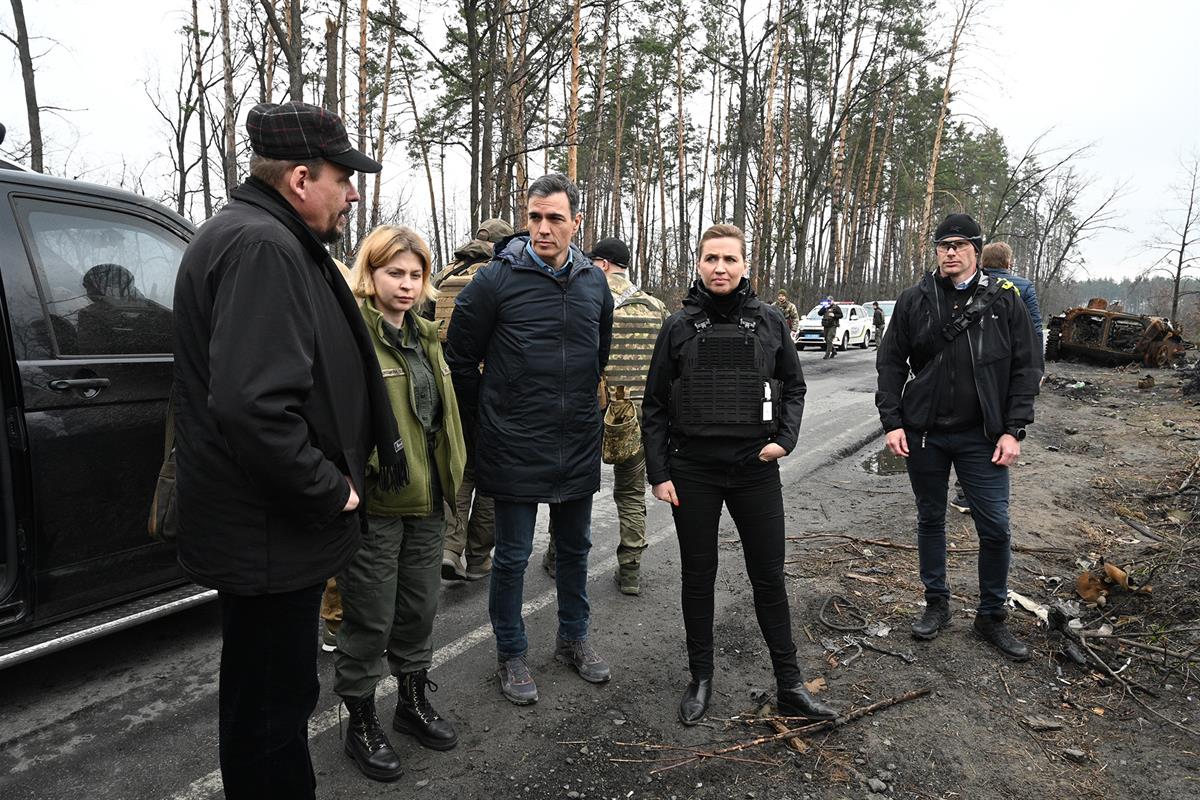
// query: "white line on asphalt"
[[209, 786]]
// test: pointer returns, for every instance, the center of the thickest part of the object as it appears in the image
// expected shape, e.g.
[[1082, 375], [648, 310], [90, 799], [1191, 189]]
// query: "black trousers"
[[268, 691], [754, 497]]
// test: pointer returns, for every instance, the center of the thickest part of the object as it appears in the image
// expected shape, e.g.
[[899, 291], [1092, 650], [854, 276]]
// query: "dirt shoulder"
[[1047, 728]]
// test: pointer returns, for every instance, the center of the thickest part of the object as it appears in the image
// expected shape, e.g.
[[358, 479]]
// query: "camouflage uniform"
[[790, 313], [644, 315]]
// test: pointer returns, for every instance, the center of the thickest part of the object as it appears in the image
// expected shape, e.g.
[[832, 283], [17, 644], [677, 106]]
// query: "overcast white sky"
[[1117, 74]]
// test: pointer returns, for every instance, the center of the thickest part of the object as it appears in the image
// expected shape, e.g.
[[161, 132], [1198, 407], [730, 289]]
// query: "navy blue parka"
[[543, 342]]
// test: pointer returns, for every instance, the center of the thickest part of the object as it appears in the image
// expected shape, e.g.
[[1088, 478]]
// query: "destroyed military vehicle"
[[1104, 335]]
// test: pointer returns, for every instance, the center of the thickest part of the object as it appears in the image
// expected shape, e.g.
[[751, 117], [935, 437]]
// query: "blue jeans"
[[514, 543], [986, 488]]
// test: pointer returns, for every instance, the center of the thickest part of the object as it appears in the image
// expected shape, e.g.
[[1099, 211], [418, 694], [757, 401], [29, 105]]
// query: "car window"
[[853, 313], [106, 279]]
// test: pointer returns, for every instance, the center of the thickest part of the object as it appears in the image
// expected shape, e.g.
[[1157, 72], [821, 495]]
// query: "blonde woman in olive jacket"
[[390, 589]]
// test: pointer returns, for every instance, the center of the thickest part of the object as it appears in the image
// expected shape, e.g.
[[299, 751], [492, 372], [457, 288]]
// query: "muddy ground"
[[1047, 728]]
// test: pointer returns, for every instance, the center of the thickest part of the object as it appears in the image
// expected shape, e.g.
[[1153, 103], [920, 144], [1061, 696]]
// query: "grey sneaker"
[[584, 658], [452, 566], [516, 681], [482, 569]]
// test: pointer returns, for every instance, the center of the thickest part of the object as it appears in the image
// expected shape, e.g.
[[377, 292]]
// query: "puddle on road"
[[884, 463]]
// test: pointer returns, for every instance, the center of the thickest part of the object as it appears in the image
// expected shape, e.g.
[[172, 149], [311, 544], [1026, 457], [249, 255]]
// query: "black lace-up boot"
[[935, 617], [416, 717], [368, 745]]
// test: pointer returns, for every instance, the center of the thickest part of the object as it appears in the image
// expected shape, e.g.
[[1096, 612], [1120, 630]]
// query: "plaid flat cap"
[[302, 132]]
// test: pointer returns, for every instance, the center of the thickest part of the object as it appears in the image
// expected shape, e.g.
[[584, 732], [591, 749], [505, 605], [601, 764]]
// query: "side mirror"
[[1, 133]]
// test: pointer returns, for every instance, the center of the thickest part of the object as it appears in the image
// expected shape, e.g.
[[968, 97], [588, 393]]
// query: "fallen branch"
[[1140, 528], [1019, 548], [803, 730]]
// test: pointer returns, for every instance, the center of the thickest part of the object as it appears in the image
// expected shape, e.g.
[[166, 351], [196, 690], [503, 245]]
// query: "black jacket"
[[271, 405], [666, 447], [1003, 356], [543, 342]]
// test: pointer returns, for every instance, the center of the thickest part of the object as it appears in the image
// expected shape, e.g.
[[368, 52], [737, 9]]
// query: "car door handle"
[[67, 384]]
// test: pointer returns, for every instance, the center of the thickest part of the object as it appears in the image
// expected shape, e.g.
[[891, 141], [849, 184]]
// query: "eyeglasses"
[[953, 247]]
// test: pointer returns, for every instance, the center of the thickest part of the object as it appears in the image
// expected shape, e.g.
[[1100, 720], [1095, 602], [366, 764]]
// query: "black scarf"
[[393, 465]]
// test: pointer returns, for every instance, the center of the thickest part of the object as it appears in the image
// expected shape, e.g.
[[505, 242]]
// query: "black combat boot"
[[416, 717], [991, 629], [367, 744], [795, 701], [695, 700], [936, 617]]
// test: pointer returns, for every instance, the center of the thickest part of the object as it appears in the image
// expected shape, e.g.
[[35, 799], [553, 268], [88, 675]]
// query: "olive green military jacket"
[[449, 455]]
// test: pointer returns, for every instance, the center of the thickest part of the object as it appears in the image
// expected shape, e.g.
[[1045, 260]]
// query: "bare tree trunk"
[[363, 121], [597, 133], [926, 227], [1186, 232], [383, 113], [291, 42], [423, 147], [228, 127], [344, 28], [205, 179], [766, 167], [708, 138], [573, 106], [32, 109], [782, 246], [743, 128], [486, 159], [471, 19], [618, 89], [683, 235], [660, 157], [329, 100], [836, 266]]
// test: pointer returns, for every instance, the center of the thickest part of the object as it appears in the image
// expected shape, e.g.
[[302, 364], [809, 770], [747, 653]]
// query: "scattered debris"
[[1146, 382], [1036, 723]]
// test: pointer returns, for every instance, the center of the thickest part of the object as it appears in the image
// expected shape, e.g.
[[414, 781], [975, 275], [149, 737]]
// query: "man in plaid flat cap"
[[279, 402]]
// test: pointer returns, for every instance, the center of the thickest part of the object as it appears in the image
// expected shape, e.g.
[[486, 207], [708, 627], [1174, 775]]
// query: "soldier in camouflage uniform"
[[468, 548], [789, 312], [637, 318]]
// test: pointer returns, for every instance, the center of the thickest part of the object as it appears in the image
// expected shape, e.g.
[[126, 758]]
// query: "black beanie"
[[960, 225]]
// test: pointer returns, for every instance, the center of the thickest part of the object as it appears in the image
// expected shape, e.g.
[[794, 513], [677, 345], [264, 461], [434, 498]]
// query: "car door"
[[91, 319]]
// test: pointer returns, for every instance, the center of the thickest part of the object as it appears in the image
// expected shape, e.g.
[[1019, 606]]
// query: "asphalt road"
[[135, 715]]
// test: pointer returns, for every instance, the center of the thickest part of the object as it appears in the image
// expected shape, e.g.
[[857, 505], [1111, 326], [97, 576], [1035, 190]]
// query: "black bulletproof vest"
[[724, 386]]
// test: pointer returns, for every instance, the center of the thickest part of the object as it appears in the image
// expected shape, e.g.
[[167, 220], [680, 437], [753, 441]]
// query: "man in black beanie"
[[968, 341], [278, 404]]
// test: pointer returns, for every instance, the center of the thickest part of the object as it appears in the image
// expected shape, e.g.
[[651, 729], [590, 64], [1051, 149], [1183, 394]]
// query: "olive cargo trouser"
[[389, 599], [473, 531]]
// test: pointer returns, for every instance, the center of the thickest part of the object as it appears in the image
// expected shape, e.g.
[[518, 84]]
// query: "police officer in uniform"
[[723, 403], [637, 318], [831, 317]]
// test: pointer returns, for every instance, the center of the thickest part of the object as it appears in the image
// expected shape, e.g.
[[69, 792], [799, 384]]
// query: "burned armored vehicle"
[[1109, 336]]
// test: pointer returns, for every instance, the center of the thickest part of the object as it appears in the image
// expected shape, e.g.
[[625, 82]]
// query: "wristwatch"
[[1016, 433]]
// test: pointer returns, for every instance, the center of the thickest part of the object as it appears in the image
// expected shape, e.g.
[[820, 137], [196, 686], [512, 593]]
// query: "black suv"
[[88, 277]]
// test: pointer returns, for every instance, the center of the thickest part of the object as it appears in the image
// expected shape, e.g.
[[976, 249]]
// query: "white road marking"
[[209, 786]]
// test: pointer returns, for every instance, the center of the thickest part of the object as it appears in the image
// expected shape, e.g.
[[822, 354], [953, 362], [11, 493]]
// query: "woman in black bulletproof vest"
[[723, 404]]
